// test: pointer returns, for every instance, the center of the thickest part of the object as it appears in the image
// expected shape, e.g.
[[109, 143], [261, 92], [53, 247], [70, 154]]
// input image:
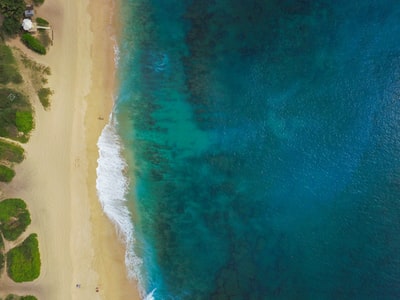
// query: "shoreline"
[[78, 243], [110, 258]]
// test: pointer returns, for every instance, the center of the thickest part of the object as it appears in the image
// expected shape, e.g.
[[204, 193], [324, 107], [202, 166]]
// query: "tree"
[[12, 10]]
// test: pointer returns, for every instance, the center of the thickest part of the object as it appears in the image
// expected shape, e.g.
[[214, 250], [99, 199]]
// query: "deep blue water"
[[263, 146]]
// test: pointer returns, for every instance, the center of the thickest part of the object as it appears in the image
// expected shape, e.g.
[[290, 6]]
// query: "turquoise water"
[[262, 142]]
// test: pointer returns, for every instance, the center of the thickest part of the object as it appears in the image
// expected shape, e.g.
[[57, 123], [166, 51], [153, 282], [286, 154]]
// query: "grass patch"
[[8, 66], [14, 218], [6, 174], [44, 38], [44, 97], [34, 66], [33, 43], [12, 102], [23, 261], [24, 121], [37, 72], [42, 22], [11, 152]]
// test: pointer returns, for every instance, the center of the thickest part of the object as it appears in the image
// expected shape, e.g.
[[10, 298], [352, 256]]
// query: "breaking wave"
[[112, 187]]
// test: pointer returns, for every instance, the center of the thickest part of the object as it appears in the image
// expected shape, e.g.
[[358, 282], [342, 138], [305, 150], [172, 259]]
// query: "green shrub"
[[42, 22], [17, 78], [14, 218], [38, 2], [28, 298], [8, 67], [6, 174], [46, 71], [34, 65], [17, 100], [11, 102], [6, 56], [44, 97], [33, 43], [11, 152], [23, 261], [24, 121]]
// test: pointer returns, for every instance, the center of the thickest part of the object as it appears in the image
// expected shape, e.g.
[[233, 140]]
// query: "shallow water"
[[263, 150]]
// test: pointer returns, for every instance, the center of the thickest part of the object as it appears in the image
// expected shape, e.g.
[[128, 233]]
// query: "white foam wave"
[[117, 52], [116, 55], [150, 296], [112, 186]]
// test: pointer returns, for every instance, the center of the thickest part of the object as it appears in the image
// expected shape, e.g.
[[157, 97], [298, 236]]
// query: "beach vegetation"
[[38, 76], [46, 71], [43, 35], [8, 66], [6, 174], [1, 243], [34, 66], [38, 71], [12, 11], [24, 121], [1, 262], [14, 218], [33, 43], [10, 27], [2, 258], [16, 297], [44, 97], [23, 261], [42, 22], [44, 38], [11, 152], [38, 2], [11, 102]]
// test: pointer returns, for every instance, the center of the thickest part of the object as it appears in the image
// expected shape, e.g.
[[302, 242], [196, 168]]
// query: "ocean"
[[254, 151]]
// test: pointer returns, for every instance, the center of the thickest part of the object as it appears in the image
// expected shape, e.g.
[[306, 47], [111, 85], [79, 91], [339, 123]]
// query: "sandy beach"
[[78, 244]]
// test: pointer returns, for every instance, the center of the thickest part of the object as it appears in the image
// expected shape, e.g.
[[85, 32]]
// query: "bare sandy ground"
[[78, 244]]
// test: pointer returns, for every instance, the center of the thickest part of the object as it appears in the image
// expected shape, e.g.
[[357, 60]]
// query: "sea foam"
[[117, 52], [112, 186], [150, 296]]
